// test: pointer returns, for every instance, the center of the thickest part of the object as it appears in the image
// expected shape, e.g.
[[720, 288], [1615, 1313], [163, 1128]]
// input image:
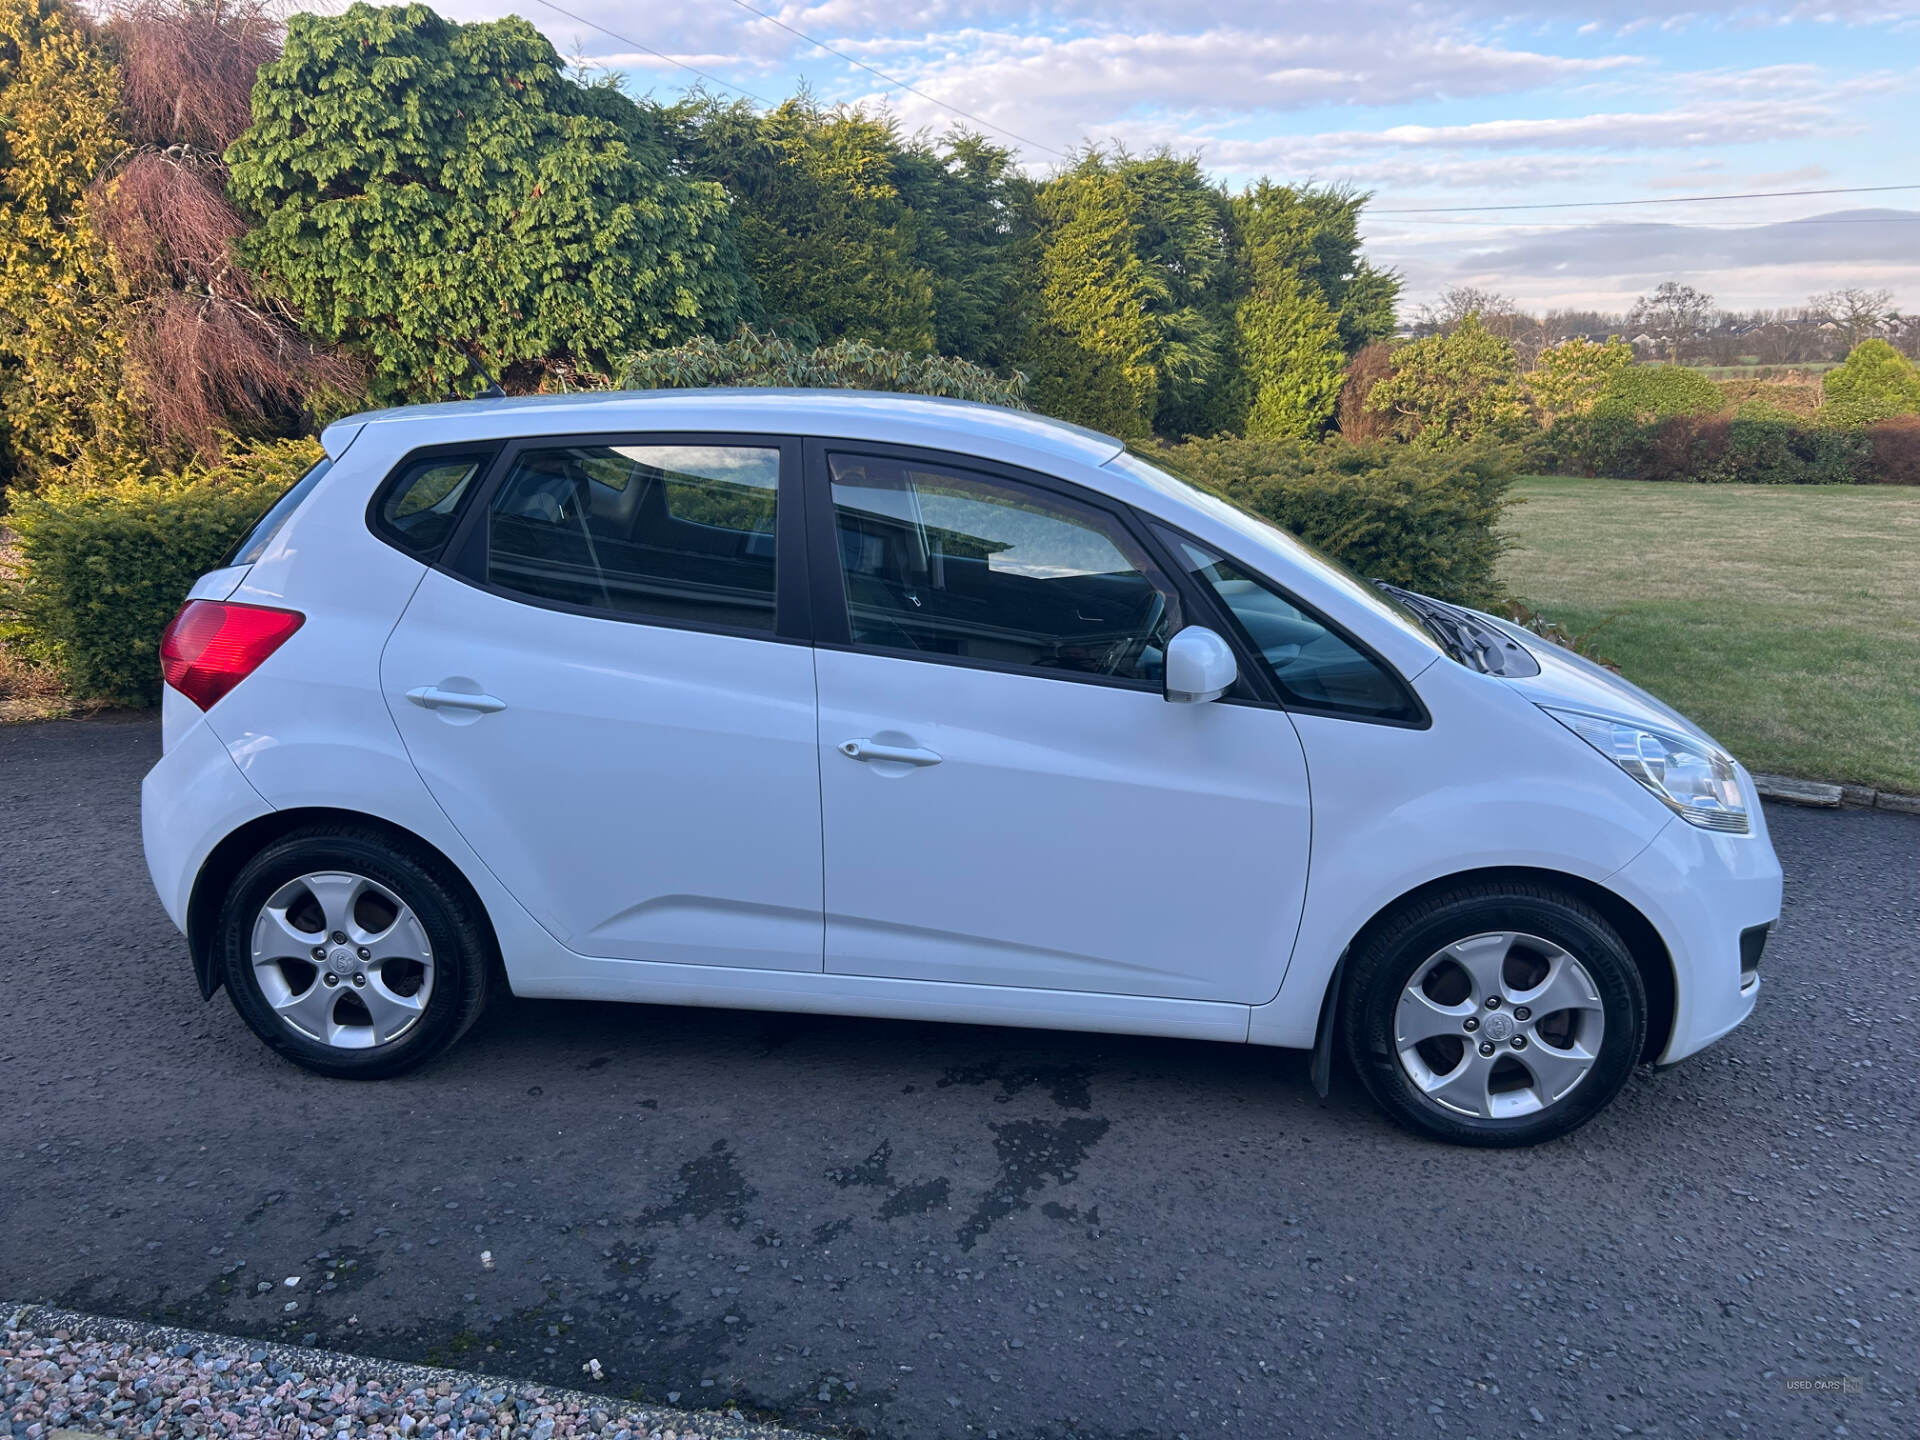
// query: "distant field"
[[1784, 619], [1757, 371]]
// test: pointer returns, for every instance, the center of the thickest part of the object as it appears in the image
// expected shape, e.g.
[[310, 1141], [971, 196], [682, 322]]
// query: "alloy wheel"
[[343, 960], [1499, 1025]]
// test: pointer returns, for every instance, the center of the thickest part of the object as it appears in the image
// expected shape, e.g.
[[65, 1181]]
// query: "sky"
[[1429, 106]]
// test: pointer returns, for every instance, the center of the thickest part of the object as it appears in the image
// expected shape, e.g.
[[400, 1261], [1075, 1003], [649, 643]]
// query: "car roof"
[[847, 414]]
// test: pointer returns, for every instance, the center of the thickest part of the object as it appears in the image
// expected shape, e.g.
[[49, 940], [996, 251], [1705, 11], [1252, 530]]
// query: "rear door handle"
[[432, 697], [897, 754]]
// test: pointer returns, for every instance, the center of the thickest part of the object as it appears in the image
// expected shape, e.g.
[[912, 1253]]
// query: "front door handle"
[[897, 754], [432, 697]]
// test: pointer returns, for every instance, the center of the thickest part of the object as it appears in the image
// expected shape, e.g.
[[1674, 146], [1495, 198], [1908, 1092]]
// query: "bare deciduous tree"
[[1497, 312], [1860, 313], [1673, 314]]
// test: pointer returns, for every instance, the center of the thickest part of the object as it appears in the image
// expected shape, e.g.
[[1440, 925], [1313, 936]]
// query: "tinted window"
[[664, 532], [420, 503], [254, 543], [944, 562], [1317, 668]]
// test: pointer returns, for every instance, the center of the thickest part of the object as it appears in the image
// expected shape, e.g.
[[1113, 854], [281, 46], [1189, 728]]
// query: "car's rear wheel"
[[1501, 1014], [350, 955]]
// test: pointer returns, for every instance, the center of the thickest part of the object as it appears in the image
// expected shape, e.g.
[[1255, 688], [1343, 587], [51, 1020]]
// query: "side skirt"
[[818, 993]]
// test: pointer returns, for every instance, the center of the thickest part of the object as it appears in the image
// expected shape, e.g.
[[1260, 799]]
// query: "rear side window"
[[253, 544], [674, 533], [1315, 667], [418, 506]]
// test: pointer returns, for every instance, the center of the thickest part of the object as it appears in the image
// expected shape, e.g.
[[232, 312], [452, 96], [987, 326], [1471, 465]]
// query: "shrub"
[[1791, 396], [1894, 448], [1357, 422], [62, 324], [1653, 392], [752, 359], [1875, 383], [1570, 377], [1416, 518], [106, 561], [1777, 449], [1759, 445], [443, 196], [1449, 389]]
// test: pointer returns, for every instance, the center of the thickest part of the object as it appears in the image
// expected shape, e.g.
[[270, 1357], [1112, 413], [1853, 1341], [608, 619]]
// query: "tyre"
[[350, 955], [1495, 1015]]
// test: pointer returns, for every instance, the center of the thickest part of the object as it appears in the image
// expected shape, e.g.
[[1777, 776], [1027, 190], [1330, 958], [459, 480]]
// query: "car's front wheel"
[[1500, 1014], [350, 955]]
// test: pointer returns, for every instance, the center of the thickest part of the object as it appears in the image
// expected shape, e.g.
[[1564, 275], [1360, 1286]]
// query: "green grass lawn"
[[1784, 619]]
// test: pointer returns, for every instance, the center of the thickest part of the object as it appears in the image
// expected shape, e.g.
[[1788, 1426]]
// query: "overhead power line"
[[1534, 226], [624, 40], [1662, 200], [891, 80]]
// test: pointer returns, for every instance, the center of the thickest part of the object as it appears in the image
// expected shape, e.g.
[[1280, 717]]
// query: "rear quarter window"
[[418, 505]]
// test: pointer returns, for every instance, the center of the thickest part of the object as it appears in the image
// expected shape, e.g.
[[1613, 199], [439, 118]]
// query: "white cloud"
[[1604, 265], [1063, 84]]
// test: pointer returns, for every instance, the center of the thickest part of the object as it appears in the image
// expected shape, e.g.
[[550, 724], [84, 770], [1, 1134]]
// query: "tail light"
[[212, 646]]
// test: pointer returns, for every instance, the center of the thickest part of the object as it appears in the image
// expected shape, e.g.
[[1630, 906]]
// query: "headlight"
[[1692, 779]]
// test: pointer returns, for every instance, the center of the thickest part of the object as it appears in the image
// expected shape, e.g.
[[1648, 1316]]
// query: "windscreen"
[[1288, 548]]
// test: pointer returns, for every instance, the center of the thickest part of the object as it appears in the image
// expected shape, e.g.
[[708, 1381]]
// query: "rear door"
[[607, 684]]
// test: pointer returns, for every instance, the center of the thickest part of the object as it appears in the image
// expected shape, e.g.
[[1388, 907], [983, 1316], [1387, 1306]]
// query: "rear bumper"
[[189, 802], [1704, 892]]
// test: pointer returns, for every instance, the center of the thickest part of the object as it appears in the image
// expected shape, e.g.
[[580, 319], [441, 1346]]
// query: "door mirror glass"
[[1200, 666]]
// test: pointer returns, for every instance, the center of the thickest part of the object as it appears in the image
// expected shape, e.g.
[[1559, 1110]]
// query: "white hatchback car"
[[889, 706]]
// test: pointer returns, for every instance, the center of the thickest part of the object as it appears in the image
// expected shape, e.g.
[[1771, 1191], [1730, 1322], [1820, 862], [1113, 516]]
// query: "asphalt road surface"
[[893, 1229]]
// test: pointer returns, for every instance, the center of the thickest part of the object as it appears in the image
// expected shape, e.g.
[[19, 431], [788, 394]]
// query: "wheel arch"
[[224, 861], [1649, 951]]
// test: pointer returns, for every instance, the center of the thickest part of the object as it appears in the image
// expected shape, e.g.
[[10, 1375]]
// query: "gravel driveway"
[[897, 1229]]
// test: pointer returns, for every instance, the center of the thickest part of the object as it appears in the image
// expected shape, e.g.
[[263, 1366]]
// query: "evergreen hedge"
[[105, 562], [1757, 445], [1424, 519]]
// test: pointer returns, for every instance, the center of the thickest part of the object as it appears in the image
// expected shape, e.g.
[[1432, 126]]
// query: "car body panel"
[[1493, 784], [1700, 889], [696, 839], [1574, 682], [1073, 836], [189, 802]]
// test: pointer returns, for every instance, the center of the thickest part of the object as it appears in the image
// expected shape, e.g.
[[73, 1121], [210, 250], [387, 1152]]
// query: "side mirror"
[[1199, 666]]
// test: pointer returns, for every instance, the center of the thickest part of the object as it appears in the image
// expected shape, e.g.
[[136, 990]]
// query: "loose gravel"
[[67, 1371]]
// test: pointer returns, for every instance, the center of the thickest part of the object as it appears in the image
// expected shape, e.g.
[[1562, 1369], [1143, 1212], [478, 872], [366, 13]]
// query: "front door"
[[1007, 798], [602, 700]]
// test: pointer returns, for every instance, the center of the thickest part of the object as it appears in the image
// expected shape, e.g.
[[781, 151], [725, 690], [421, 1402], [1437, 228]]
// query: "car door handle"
[[432, 697], [897, 754]]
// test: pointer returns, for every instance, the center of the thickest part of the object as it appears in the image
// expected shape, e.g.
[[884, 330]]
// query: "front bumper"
[[1703, 891], [189, 802]]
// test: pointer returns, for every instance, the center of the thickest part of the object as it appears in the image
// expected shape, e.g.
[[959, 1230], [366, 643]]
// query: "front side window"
[[943, 562], [678, 533], [1317, 668]]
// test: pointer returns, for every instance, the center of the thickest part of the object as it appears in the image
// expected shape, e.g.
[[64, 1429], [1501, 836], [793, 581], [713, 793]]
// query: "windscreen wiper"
[[1448, 627]]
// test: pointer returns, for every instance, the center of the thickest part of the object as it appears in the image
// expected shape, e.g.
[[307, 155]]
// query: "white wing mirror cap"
[[1200, 666]]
